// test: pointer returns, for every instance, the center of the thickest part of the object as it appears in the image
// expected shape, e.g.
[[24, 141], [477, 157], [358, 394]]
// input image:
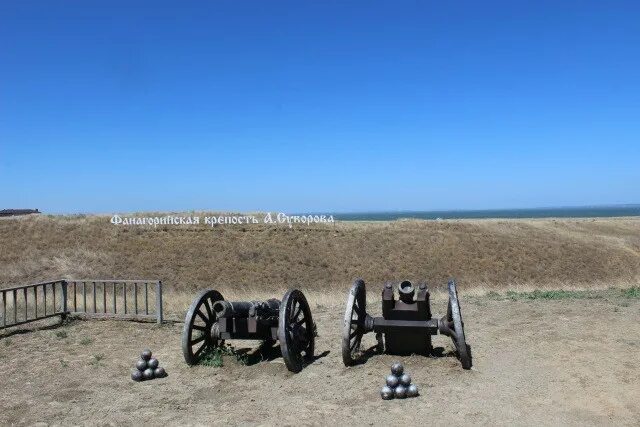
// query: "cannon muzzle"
[[406, 291]]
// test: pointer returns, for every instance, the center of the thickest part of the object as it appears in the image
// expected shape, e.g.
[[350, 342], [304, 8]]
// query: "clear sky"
[[318, 105]]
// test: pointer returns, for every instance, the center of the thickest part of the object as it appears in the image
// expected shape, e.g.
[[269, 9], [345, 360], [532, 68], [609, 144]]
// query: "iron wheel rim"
[[354, 323], [454, 317], [200, 319], [296, 330]]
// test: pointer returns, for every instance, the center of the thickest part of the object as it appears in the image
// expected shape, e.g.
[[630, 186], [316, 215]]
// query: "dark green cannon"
[[211, 320]]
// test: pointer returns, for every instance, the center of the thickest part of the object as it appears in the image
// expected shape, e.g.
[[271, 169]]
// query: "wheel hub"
[[299, 334], [214, 332]]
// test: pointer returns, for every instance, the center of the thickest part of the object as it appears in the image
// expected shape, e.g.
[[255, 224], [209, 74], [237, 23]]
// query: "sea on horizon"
[[559, 212]]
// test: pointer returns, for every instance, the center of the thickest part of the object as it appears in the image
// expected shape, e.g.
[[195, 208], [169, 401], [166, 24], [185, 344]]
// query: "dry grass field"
[[482, 254]]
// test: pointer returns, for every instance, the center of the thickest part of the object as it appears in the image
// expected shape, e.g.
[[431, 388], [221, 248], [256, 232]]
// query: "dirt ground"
[[537, 362]]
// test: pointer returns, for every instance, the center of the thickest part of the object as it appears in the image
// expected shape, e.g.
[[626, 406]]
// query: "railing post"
[[65, 308], [4, 308], [26, 304], [146, 298], [84, 297], [115, 301], [159, 301], [15, 306], [135, 296], [94, 297]]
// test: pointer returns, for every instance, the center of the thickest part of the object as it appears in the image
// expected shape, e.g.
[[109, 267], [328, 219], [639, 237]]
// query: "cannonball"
[[146, 354], [397, 369], [405, 379], [392, 381], [148, 374], [141, 365], [153, 363], [136, 375], [401, 392], [159, 372], [412, 390], [386, 393]]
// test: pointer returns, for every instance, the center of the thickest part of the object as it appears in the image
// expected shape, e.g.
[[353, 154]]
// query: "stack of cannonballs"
[[147, 368], [398, 384]]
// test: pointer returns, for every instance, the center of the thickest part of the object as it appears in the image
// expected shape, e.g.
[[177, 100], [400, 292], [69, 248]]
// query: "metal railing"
[[24, 304], [118, 299]]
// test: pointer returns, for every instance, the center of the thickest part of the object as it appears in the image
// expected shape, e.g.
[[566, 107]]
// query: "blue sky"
[[318, 106]]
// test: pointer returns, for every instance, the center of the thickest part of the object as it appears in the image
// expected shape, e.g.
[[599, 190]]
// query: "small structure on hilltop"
[[15, 212]]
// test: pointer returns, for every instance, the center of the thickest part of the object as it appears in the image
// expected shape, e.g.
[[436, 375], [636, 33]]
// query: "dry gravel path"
[[558, 362]]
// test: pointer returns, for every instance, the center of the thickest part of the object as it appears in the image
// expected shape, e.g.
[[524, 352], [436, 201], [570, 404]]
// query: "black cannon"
[[406, 323], [211, 320]]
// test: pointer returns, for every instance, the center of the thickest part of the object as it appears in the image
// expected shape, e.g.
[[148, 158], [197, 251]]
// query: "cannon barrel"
[[232, 308], [246, 308], [406, 291], [270, 307]]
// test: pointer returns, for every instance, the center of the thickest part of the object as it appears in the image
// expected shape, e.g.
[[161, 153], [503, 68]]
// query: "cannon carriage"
[[406, 325], [211, 320]]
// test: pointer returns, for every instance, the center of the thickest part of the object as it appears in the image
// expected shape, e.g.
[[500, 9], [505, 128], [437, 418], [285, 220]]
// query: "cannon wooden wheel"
[[196, 334], [354, 323], [296, 331], [456, 327]]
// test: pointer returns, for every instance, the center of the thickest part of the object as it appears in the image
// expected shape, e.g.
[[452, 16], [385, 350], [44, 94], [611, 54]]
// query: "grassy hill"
[[482, 254]]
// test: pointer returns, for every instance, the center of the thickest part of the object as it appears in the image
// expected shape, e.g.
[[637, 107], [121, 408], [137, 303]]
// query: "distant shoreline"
[[561, 212], [583, 212]]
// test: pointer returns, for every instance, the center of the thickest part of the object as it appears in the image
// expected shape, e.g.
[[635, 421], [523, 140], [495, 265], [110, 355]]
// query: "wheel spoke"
[[360, 310], [356, 313], [200, 350], [197, 340], [209, 311], [202, 316], [355, 344], [199, 328], [297, 311]]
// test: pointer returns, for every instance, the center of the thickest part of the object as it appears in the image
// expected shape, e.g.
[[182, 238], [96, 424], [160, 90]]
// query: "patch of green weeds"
[[86, 341], [97, 359], [493, 295], [215, 356], [551, 295], [632, 292]]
